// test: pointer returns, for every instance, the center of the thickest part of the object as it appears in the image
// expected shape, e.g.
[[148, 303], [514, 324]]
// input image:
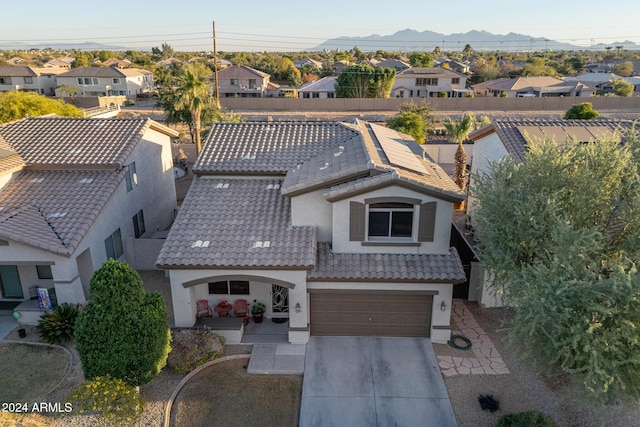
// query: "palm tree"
[[193, 94], [458, 132]]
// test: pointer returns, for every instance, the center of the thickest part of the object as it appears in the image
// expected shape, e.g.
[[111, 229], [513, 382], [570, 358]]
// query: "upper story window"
[[5, 80], [455, 81], [28, 80], [421, 82], [138, 224], [234, 82], [390, 220], [113, 245], [252, 83], [88, 81], [116, 81], [131, 177], [432, 82]]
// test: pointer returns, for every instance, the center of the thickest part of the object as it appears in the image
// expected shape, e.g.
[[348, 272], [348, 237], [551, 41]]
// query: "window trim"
[[132, 176], [47, 274], [28, 80], [138, 224], [231, 287], [390, 210]]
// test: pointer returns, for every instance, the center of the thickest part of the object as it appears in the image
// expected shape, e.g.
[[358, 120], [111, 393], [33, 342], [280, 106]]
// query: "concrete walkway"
[[277, 359], [7, 324], [373, 381], [487, 360]]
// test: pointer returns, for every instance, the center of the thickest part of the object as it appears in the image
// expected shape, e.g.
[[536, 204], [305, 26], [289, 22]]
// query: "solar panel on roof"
[[397, 153]]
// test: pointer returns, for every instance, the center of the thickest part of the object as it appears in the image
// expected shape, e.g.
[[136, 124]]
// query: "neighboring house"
[[450, 64], [29, 79], [117, 63], [635, 81], [308, 61], [396, 64], [602, 83], [429, 82], [509, 137], [339, 66], [16, 60], [341, 229], [168, 63], [240, 81], [58, 63], [221, 63], [71, 192], [107, 81], [323, 88], [532, 87]]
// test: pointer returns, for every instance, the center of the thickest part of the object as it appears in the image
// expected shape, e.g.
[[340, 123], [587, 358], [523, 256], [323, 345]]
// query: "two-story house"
[[341, 229], [322, 88], [429, 82], [240, 81], [71, 192], [107, 81], [29, 79]]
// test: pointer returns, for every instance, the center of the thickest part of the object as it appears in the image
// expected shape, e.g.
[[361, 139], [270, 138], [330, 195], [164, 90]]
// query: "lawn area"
[[29, 372], [225, 395]]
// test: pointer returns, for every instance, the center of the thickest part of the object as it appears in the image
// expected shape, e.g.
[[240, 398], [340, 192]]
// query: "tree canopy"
[[623, 88], [122, 331], [582, 111], [16, 105], [559, 233], [365, 81], [415, 120]]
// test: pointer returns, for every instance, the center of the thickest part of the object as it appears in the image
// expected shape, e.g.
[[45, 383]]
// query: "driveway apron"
[[373, 381]]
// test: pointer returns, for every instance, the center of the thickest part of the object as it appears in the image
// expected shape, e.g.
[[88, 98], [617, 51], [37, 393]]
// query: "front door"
[[10, 282], [279, 300]]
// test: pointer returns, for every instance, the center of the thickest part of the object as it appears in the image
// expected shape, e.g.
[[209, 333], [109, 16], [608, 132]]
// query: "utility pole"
[[215, 62]]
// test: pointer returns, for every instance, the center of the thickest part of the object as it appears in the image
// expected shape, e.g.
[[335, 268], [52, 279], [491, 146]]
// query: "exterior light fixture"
[[298, 308], [443, 306]]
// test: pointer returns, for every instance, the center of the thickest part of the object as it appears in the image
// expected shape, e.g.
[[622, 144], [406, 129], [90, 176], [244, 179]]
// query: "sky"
[[294, 25]]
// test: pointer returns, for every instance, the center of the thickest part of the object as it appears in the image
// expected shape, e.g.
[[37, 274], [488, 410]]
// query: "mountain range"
[[61, 46], [412, 40]]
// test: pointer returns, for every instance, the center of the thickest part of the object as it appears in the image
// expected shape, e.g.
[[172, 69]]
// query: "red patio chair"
[[203, 309], [241, 309]]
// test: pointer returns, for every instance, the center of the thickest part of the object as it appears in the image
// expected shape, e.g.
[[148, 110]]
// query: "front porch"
[[232, 328]]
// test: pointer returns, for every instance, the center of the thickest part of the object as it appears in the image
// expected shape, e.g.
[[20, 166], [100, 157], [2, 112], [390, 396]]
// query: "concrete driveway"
[[372, 381]]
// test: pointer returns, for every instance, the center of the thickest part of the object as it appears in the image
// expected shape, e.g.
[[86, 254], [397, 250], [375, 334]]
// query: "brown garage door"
[[365, 314]]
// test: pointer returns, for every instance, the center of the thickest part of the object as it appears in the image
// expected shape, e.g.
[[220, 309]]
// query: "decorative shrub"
[[123, 331], [527, 419], [582, 111], [57, 326], [191, 348], [488, 403], [111, 398]]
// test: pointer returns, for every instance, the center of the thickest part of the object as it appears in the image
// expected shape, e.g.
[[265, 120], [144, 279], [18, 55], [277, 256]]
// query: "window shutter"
[[427, 222], [356, 221]]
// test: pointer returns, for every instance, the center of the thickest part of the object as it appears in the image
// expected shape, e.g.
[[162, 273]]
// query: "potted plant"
[[257, 309]]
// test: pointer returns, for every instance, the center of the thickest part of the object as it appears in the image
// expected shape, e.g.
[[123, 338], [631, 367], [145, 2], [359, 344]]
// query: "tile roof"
[[362, 165], [520, 83], [443, 268], [514, 132], [267, 148], [237, 223], [104, 72], [428, 71], [10, 160], [325, 84], [239, 72], [76, 143], [53, 210], [17, 71]]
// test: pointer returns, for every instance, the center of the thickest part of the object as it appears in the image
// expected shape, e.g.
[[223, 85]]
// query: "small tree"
[[123, 330], [415, 120], [16, 105], [583, 111], [623, 88], [364, 81]]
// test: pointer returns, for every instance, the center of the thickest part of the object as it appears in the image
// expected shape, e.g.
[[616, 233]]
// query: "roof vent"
[[340, 151], [36, 180], [57, 215], [326, 165], [200, 244], [249, 157], [261, 244], [86, 180], [273, 186], [222, 185]]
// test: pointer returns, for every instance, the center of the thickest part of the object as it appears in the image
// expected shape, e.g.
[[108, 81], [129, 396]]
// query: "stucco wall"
[[486, 150], [440, 244], [313, 209], [446, 153]]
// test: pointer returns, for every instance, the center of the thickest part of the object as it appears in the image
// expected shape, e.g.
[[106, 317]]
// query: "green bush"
[[583, 111], [57, 326], [526, 419], [191, 348], [123, 331], [113, 399]]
